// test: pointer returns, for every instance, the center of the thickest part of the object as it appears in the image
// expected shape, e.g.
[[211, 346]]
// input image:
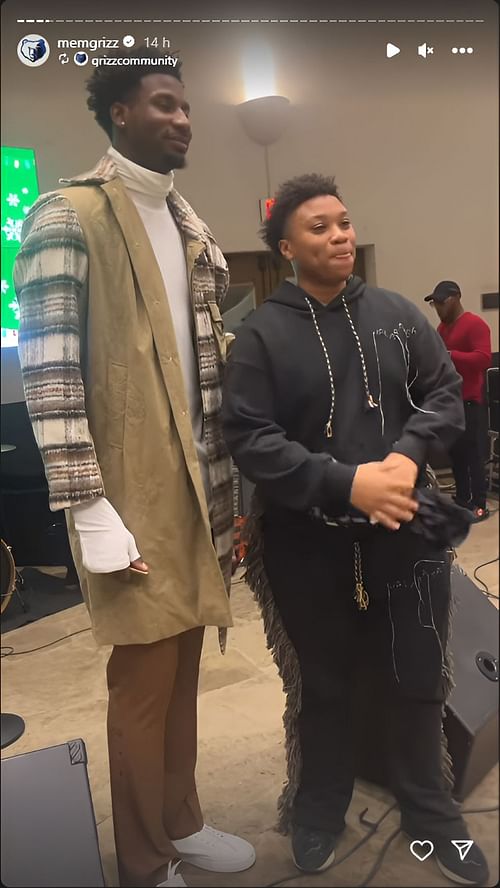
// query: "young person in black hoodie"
[[334, 392]]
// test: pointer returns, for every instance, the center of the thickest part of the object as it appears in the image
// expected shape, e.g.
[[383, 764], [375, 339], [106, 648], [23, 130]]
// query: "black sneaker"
[[472, 870], [313, 849]]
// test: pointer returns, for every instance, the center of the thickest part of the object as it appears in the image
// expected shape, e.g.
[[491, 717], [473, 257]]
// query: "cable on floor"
[[373, 827], [483, 584], [8, 651]]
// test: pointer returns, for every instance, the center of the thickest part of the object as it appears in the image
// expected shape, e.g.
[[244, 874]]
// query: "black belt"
[[339, 520]]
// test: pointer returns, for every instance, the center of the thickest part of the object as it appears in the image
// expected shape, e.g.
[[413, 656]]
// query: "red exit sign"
[[266, 206]]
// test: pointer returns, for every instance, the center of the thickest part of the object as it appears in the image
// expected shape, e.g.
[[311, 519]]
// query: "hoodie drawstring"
[[329, 425], [371, 401], [369, 397]]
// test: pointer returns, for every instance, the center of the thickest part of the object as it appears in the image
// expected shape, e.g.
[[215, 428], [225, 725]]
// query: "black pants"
[[468, 459], [399, 640]]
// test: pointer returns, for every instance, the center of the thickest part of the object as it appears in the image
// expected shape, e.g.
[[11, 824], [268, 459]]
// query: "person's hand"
[[138, 566], [107, 546], [384, 494], [406, 469]]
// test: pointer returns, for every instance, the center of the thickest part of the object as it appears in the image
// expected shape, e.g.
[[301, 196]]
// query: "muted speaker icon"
[[424, 50]]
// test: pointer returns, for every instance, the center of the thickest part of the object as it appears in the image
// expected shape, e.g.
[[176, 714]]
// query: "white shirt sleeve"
[[106, 543]]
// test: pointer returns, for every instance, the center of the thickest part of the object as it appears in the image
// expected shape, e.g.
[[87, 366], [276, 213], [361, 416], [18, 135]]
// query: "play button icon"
[[391, 50]]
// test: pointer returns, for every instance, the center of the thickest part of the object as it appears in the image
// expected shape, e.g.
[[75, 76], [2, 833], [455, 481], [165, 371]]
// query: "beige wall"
[[413, 143]]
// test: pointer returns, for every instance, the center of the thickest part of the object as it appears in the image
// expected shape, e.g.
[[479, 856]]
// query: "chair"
[[12, 727]]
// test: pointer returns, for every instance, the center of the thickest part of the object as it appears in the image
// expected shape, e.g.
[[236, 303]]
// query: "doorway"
[[266, 272]]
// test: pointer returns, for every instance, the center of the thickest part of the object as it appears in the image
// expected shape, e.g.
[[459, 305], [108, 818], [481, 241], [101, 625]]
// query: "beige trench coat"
[[138, 417]]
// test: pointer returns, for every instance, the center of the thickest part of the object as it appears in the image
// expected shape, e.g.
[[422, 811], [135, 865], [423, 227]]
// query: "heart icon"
[[422, 850]]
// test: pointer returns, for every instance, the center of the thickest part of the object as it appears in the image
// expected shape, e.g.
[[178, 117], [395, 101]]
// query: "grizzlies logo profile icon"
[[80, 58], [33, 50]]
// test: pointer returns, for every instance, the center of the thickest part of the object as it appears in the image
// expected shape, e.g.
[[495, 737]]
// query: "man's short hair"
[[115, 83]]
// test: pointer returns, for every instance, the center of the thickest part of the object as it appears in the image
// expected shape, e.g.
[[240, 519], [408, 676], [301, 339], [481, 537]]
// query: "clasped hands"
[[384, 490]]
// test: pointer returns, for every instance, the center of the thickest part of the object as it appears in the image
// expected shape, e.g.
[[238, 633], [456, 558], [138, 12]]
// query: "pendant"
[[329, 429], [361, 597], [371, 402]]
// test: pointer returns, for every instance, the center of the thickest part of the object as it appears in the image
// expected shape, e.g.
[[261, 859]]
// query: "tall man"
[[468, 340], [122, 350], [333, 393]]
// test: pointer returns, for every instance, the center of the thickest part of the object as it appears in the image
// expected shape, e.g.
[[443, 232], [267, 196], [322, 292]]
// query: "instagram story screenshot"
[[249, 438]]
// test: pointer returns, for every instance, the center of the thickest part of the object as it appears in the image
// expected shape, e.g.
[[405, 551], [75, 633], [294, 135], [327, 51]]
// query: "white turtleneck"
[[149, 190]]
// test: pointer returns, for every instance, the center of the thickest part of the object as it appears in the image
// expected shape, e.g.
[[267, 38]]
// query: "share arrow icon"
[[463, 847]]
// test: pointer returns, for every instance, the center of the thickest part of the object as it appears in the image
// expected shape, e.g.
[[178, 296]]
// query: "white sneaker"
[[216, 851], [173, 878]]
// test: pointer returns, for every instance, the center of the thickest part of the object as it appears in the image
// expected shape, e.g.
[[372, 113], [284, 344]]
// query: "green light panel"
[[19, 192]]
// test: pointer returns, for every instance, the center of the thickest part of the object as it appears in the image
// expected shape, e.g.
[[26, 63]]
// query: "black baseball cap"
[[442, 291]]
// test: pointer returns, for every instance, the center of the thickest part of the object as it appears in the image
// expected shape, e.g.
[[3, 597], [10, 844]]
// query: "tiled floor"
[[61, 693]]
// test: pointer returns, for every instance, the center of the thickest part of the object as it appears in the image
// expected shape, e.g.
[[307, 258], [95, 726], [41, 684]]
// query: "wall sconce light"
[[265, 119]]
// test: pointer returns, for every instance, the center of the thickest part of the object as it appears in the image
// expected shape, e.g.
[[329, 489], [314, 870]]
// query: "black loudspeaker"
[[471, 722], [49, 834], [492, 390], [37, 536]]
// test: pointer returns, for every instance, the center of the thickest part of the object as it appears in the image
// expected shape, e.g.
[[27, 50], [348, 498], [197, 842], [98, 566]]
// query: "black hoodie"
[[278, 392]]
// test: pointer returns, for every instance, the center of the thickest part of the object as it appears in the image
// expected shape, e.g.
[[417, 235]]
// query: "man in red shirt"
[[468, 341]]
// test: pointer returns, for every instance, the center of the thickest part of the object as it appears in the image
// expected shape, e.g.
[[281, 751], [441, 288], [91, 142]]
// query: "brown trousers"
[[152, 741]]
